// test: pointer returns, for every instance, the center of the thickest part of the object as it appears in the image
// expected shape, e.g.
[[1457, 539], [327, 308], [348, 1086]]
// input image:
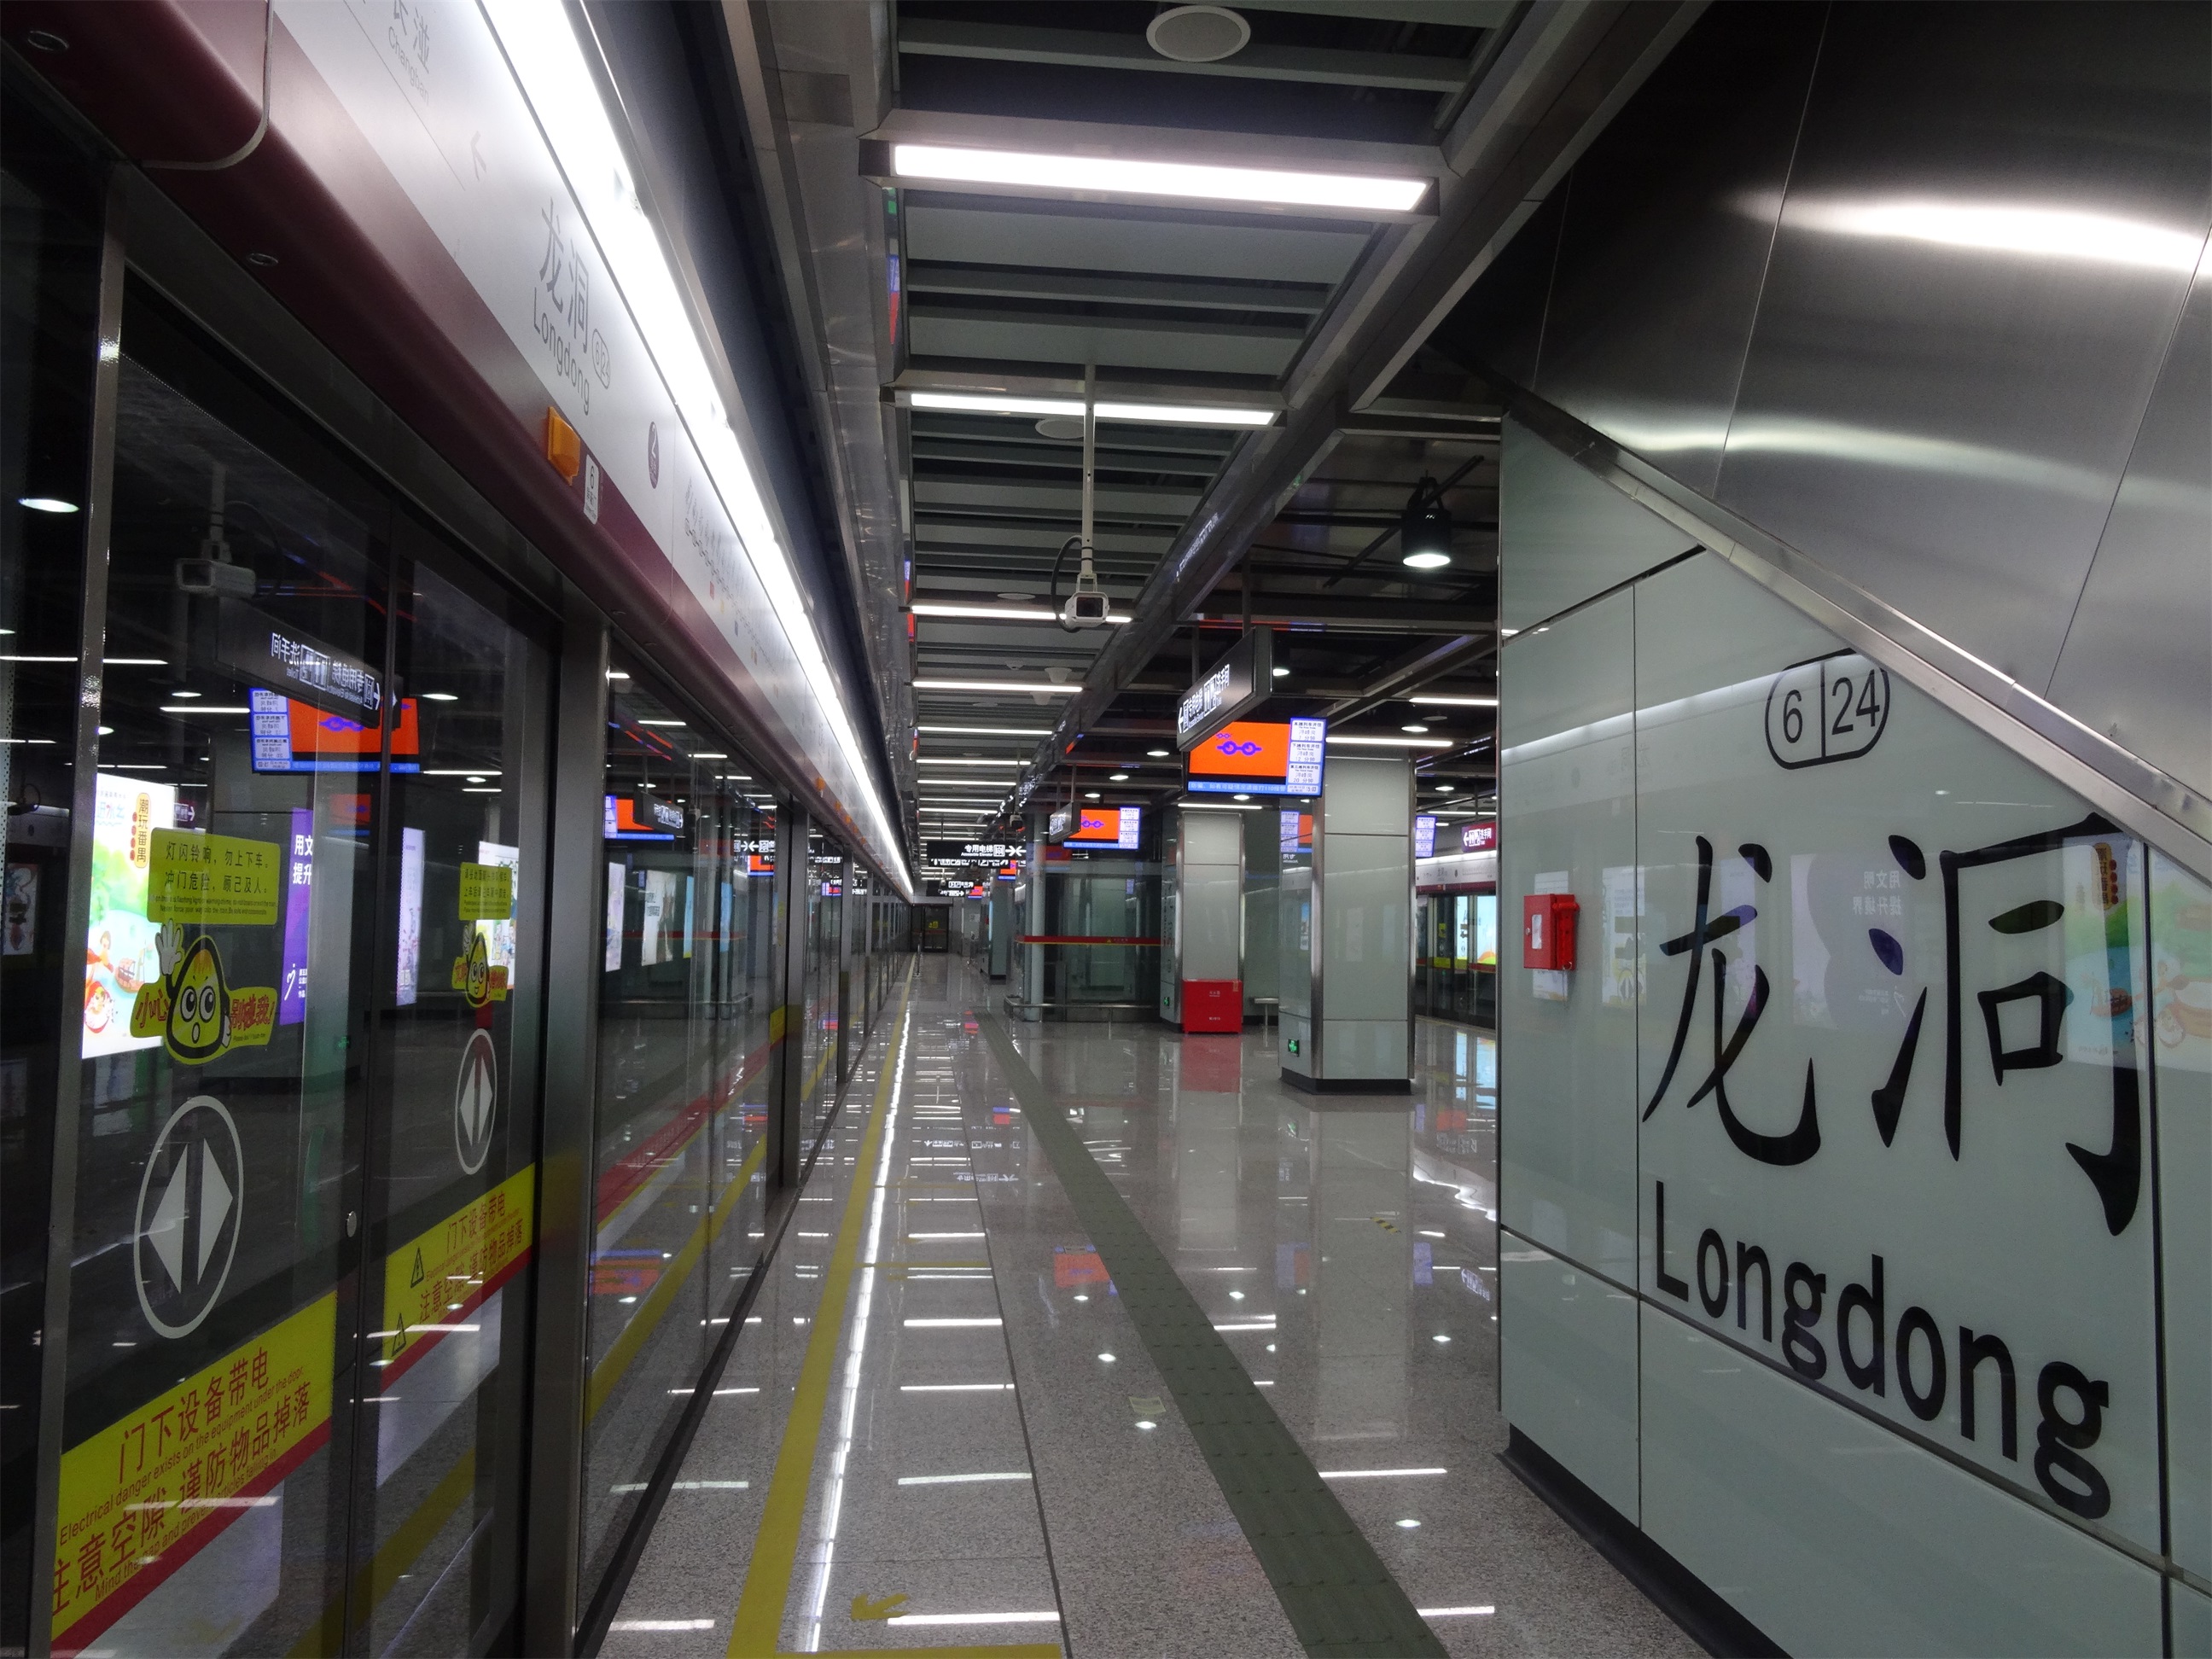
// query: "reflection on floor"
[[973, 1450]]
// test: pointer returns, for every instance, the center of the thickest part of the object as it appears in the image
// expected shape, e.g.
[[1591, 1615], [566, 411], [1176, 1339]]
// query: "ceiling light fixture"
[[46, 504], [1416, 726], [1156, 754], [1184, 180], [1360, 739], [989, 403], [440, 697], [992, 731], [1455, 702], [1034, 688], [1424, 532], [997, 612], [1117, 777], [960, 760]]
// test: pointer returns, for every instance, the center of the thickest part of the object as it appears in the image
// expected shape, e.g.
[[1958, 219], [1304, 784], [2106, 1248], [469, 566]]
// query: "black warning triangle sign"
[[415, 1277]]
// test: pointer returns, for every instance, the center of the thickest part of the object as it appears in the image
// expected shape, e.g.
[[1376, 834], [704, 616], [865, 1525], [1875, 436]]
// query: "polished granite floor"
[[974, 1451]]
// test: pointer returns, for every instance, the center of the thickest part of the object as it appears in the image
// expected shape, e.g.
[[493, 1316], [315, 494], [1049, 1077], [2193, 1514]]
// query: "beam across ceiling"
[[1089, 49]]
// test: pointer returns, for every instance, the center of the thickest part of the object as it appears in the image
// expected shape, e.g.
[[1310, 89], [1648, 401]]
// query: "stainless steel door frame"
[[550, 1543]]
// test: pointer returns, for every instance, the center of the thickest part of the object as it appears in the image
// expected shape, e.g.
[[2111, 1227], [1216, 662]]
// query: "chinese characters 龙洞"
[[2115, 1172]]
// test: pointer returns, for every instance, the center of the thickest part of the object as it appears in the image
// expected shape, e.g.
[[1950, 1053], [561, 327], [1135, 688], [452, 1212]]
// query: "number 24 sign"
[[1831, 708]]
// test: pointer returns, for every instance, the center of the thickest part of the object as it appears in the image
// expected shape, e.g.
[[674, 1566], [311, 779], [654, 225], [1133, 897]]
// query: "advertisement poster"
[[120, 955], [614, 917], [1485, 929], [498, 935], [411, 914], [21, 918], [299, 906]]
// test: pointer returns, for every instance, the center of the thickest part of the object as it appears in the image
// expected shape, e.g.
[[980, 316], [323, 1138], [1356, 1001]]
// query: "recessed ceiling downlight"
[[1198, 35]]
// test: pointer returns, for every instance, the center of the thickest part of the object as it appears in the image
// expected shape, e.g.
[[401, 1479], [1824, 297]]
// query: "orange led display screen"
[[1108, 826], [1269, 757]]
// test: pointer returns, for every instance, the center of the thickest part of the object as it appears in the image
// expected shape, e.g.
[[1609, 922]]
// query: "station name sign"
[[1240, 682]]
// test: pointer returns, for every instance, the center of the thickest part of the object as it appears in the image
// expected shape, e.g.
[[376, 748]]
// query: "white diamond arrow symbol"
[[166, 1235], [215, 1205]]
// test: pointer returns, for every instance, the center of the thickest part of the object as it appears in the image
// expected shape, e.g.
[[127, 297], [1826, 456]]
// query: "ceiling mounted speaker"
[[1198, 35]]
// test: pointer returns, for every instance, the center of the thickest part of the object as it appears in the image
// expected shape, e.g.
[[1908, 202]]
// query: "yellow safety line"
[[759, 1621], [758, 1625]]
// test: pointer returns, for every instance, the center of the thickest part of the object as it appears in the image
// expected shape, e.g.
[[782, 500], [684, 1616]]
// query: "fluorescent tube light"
[[991, 402], [1046, 688], [1187, 413], [1185, 180], [962, 760], [1455, 702], [990, 731], [996, 612], [1336, 737]]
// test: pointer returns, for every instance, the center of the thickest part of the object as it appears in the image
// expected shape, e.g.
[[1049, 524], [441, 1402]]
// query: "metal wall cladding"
[[1992, 224], [2137, 662], [1669, 222], [1500, 324]]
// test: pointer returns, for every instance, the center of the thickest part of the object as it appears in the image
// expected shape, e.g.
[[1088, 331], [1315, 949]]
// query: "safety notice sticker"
[[434, 1282], [150, 1491], [214, 881], [487, 892]]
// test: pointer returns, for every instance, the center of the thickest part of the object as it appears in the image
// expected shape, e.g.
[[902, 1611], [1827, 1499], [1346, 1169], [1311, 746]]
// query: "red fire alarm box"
[[1547, 930]]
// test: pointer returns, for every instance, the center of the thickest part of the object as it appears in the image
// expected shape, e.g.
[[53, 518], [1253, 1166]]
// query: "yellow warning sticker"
[[487, 892], [194, 1009], [477, 977], [214, 881], [149, 1492], [434, 1282]]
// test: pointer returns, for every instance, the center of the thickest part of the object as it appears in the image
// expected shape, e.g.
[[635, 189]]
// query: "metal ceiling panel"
[[1110, 342], [1077, 237]]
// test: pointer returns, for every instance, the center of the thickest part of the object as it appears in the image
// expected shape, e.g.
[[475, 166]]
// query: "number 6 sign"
[[1831, 708]]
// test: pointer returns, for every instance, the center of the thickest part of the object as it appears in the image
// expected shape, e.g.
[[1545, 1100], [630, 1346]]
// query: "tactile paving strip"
[[1339, 1596]]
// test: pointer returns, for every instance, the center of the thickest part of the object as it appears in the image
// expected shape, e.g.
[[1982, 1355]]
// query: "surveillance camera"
[[1084, 609], [215, 579]]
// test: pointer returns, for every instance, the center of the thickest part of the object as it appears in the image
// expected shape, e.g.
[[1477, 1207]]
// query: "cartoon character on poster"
[[479, 981], [193, 1009]]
